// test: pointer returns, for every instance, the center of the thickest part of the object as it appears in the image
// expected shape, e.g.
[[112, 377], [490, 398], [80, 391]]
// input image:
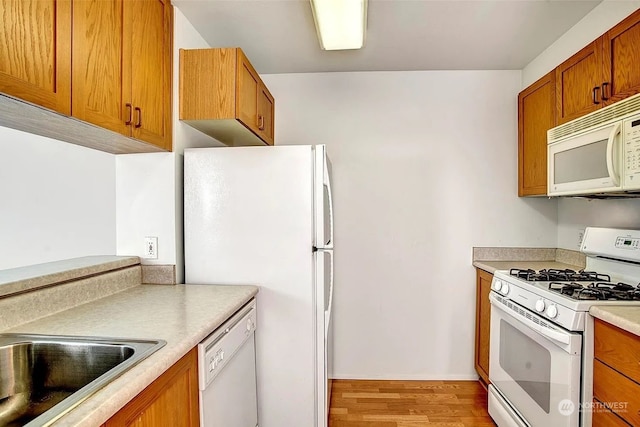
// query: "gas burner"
[[522, 273], [613, 286], [556, 275], [565, 288], [592, 275], [590, 294], [601, 291]]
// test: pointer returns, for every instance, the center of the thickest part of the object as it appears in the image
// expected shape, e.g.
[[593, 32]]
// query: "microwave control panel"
[[631, 142]]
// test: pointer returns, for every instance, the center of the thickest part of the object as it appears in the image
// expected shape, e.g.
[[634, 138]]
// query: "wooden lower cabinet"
[[483, 324], [602, 417], [170, 401], [615, 376]]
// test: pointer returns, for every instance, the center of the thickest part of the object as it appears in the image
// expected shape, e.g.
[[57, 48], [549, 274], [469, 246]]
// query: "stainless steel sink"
[[42, 377]]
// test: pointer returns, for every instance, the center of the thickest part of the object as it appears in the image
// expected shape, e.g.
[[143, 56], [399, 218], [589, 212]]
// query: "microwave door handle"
[[610, 153]]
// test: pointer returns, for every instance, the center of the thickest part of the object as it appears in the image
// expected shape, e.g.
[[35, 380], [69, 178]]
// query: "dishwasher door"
[[227, 373]]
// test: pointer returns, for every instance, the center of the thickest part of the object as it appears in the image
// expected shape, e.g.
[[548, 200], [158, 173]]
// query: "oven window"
[[581, 163], [527, 363]]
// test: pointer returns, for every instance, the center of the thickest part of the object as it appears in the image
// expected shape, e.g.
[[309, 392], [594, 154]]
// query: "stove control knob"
[[505, 288], [552, 311], [540, 306], [496, 285]]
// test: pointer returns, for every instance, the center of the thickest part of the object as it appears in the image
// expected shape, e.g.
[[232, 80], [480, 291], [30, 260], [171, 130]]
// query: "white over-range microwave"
[[597, 155]]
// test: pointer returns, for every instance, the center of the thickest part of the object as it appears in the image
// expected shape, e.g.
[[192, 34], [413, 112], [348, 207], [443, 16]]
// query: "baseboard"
[[417, 377]]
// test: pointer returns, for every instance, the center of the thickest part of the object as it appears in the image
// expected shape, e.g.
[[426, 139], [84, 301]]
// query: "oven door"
[[586, 164], [535, 366]]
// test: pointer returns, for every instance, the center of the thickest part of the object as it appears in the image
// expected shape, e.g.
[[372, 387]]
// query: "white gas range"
[[541, 349]]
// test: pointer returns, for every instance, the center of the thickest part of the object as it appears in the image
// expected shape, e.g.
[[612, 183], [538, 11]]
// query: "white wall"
[[576, 214], [150, 185], [57, 200], [145, 204], [573, 213], [184, 136], [424, 168], [593, 25]]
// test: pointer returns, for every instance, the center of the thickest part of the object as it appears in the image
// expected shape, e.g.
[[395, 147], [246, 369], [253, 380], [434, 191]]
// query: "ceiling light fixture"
[[341, 24]]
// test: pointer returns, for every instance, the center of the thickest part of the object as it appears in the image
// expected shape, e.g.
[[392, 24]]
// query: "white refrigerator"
[[264, 216]]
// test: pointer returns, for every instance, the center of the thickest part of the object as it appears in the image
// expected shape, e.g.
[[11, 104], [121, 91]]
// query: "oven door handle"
[[545, 332]]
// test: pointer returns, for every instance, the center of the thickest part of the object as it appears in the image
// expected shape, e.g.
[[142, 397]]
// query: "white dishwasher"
[[227, 372]]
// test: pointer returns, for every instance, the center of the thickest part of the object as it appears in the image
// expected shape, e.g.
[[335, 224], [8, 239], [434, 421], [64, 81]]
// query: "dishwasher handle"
[[219, 348]]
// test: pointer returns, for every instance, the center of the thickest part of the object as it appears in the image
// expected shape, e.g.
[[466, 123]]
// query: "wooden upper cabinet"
[[578, 81], [266, 118], [222, 95], [621, 60], [99, 94], [170, 401], [247, 92], [35, 52], [604, 72], [122, 67], [536, 115], [149, 25], [255, 104]]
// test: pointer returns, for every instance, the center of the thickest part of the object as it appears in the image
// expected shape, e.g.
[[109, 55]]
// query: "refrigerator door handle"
[[327, 183], [323, 200], [329, 310]]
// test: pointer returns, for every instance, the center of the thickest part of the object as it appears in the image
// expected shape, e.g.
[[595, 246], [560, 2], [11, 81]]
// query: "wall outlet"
[[151, 247]]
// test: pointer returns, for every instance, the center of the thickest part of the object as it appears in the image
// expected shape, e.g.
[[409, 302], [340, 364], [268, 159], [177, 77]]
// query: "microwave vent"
[[614, 111]]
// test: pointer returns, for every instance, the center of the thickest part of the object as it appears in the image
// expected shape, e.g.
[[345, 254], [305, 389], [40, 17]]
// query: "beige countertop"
[[31, 277], [492, 266], [624, 317], [491, 259], [182, 315]]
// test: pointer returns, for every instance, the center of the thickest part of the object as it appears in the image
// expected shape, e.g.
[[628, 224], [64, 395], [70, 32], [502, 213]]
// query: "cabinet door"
[[101, 86], [265, 114], [483, 324], [621, 59], [602, 417], [536, 115], [35, 52], [247, 93], [170, 401], [611, 386], [149, 27], [578, 81]]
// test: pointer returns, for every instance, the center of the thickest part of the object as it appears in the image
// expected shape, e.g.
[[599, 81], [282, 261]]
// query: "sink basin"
[[42, 377]]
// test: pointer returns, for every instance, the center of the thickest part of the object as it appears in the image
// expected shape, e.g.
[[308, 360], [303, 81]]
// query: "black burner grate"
[[600, 291], [556, 275]]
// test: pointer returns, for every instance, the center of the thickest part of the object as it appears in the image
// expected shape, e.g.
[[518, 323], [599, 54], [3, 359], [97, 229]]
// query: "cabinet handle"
[[139, 122], [595, 95], [604, 91], [261, 122], [128, 122]]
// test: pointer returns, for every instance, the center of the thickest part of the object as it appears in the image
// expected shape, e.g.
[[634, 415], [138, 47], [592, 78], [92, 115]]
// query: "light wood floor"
[[356, 403]]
